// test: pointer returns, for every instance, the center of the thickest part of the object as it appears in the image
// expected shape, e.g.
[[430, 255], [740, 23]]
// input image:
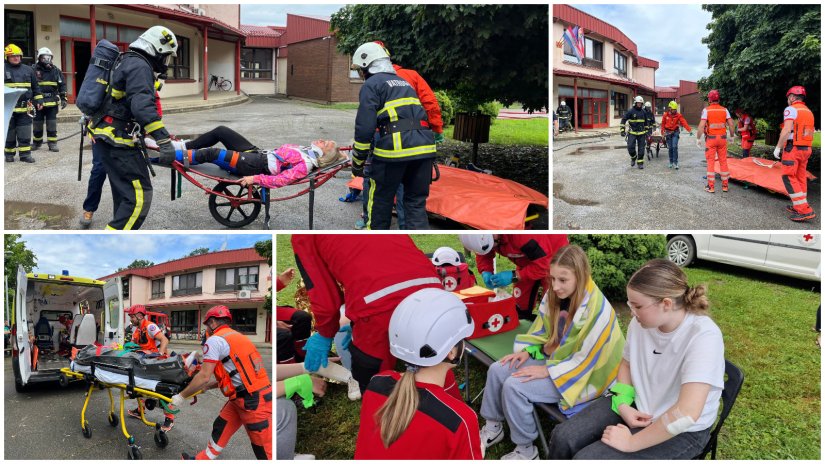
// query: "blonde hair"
[[660, 279], [575, 259], [398, 411]]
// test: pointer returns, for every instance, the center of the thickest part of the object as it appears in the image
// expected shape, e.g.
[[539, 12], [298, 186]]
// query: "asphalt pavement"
[[44, 424], [595, 188], [47, 195]]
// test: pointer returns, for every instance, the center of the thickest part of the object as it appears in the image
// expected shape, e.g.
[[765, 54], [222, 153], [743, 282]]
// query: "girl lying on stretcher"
[[268, 168]]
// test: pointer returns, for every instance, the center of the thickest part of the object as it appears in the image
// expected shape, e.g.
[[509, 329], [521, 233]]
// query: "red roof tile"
[[218, 258], [591, 23], [172, 14], [612, 80], [648, 63]]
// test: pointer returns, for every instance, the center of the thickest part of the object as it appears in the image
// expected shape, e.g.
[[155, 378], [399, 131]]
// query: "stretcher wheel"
[[87, 431], [134, 453], [63, 381], [161, 439], [236, 212], [150, 404], [113, 420]]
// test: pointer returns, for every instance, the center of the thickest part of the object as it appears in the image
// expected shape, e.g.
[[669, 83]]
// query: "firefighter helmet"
[[426, 325], [648, 105], [45, 51], [12, 49], [638, 99], [713, 96], [367, 53]]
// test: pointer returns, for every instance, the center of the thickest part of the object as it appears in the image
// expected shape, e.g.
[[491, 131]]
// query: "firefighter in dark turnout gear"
[[404, 150], [564, 116], [53, 89], [637, 136], [130, 112], [19, 76]]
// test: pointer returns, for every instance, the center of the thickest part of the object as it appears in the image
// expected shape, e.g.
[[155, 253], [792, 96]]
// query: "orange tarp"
[[479, 200], [758, 171]]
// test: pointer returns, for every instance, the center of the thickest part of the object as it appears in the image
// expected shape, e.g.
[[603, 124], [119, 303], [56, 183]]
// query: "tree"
[[198, 251], [758, 52], [16, 254], [137, 264], [479, 52], [264, 249]]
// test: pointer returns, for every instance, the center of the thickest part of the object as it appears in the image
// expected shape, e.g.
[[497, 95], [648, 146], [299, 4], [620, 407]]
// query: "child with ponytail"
[[671, 377]]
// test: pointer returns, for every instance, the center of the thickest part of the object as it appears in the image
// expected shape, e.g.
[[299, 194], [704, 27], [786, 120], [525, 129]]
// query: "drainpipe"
[[93, 25], [576, 104], [205, 64], [238, 67]]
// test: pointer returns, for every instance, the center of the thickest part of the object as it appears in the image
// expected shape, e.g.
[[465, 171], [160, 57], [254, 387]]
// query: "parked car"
[[795, 255]]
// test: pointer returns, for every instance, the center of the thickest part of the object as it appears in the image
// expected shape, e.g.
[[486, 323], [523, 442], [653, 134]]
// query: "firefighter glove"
[[439, 137], [167, 153], [502, 279], [317, 349], [622, 131], [63, 102], [359, 157], [486, 277], [777, 153], [347, 340]]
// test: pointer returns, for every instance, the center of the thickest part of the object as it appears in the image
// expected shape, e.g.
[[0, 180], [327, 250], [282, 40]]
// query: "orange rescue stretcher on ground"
[[481, 201], [758, 171]]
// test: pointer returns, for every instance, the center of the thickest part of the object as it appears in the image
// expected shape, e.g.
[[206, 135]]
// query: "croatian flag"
[[574, 36]]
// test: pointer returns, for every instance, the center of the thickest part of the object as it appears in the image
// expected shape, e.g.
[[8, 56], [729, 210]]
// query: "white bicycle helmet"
[[477, 243], [445, 255], [427, 325]]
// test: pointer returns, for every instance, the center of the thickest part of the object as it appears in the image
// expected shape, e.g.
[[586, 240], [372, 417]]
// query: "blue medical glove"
[[317, 348], [439, 138], [485, 276], [502, 279], [347, 340]]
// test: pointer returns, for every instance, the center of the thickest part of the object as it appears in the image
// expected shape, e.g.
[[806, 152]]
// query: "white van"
[[95, 308]]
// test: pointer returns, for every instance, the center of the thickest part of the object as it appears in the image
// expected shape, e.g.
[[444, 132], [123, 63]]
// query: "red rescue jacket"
[[425, 96], [530, 253]]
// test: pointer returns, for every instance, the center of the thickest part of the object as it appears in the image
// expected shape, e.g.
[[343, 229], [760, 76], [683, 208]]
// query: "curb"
[[73, 115]]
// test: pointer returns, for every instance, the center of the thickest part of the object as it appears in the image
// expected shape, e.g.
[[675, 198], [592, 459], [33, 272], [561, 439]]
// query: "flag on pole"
[[574, 36]]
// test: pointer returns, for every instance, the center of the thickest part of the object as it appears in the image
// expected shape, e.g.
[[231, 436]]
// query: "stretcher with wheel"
[[657, 138], [102, 376], [234, 205]]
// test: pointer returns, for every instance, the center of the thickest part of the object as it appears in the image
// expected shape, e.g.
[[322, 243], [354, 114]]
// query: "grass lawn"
[[766, 324], [515, 132], [334, 106]]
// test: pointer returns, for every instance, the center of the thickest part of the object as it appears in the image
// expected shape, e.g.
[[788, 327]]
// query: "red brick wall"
[[691, 107], [316, 71]]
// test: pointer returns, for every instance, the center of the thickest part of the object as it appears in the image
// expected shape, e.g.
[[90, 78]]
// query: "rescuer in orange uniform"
[[241, 376], [746, 126], [715, 119], [797, 136], [151, 340]]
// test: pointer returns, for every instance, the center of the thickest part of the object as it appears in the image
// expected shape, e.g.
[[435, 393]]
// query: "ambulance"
[[54, 313]]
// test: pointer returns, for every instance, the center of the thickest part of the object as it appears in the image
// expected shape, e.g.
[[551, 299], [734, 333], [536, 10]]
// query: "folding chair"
[[732, 386]]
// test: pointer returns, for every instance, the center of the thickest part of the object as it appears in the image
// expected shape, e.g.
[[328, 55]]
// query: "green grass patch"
[[515, 132], [765, 322], [334, 106], [817, 139]]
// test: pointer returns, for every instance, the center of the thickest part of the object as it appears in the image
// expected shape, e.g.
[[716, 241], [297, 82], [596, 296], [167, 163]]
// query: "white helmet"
[[647, 104], [45, 51], [157, 41], [563, 103], [477, 243], [367, 53], [638, 99], [427, 325], [445, 255]]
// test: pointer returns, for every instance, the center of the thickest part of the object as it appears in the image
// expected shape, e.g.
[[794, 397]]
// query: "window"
[[620, 63], [158, 288], [187, 284], [619, 104], [240, 278], [245, 320], [182, 64], [256, 63], [593, 53], [19, 30], [185, 322], [125, 285]]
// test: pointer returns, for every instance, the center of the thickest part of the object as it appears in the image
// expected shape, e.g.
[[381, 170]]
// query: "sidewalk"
[[172, 105], [585, 134]]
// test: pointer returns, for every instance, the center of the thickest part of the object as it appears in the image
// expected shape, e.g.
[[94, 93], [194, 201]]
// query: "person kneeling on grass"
[[670, 379], [268, 168], [568, 361]]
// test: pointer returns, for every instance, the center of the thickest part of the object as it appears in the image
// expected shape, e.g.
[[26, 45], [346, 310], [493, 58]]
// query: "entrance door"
[[75, 59], [82, 53]]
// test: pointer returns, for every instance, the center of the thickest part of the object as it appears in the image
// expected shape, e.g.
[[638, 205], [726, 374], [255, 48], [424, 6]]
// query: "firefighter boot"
[[53, 146], [36, 145]]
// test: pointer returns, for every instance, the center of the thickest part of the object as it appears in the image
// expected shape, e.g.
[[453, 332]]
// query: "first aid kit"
[[492, 312]]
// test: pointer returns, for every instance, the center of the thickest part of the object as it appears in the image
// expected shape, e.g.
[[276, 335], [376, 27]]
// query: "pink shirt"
[[293, 167]]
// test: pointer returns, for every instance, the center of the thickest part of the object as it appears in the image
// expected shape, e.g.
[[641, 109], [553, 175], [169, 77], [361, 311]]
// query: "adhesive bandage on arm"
[[334, 372], [676, 421]]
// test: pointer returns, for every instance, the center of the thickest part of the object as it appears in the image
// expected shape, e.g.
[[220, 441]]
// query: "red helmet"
[[797, 90], [713, 96], [137, 309], [218, 311]]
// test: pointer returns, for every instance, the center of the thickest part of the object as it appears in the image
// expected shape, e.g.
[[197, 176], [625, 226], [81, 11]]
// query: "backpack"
[[94, 95]]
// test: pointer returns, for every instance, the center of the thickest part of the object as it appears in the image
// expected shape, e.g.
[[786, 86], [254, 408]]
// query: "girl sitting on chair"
[[268, 168], [670, 379], [568, 361]]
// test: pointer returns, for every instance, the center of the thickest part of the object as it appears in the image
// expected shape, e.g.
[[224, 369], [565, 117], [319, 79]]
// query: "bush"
[[761, 127], [490, 109], [614, 258], [447, 107]]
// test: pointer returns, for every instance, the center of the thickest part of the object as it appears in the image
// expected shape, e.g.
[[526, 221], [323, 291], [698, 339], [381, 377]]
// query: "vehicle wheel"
[[161, 439], [19, 387], [681, 250], [113, 419], [134, 453], [234, 213], [226, 85], [87, 431]]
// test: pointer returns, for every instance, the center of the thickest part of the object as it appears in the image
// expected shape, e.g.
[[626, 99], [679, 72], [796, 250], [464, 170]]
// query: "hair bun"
[[696, 299]]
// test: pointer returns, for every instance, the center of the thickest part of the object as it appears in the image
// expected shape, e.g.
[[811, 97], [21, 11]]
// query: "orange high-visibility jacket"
[[425, 96]]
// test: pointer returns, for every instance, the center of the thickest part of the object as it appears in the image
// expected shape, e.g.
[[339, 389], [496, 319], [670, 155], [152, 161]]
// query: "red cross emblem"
[[808, 237], [496, 322]]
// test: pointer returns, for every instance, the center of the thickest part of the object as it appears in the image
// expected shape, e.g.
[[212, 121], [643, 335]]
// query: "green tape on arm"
[[623, 394], [535, 352], [302, 385]]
